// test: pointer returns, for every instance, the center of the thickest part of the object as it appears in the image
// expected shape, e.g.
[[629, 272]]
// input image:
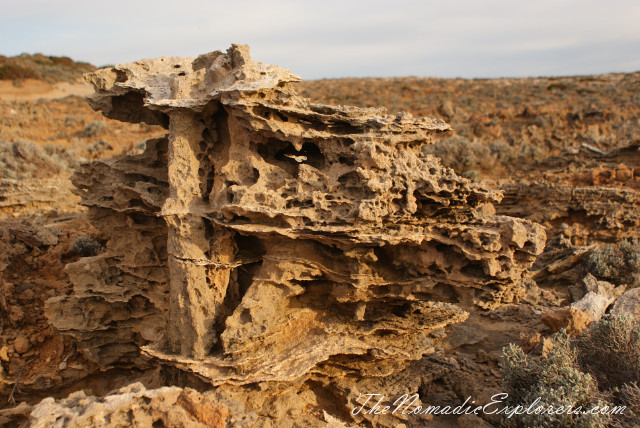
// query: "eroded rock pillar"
[[193, 307]]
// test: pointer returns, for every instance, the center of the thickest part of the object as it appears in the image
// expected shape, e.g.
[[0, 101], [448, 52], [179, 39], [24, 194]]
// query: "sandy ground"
[[32, 89]]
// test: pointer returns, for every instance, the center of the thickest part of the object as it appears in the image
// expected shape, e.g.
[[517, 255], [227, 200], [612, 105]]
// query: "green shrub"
[[86, 246], [618, 262], [94, 129], [601, 367], [48, 68], [555, 379], [610, 351], [462, 155], [23, 159], [16, 72]]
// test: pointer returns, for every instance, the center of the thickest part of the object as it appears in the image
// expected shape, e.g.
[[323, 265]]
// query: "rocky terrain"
[[337, 257]]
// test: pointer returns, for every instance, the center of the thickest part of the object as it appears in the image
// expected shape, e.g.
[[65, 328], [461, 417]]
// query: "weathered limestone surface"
[[603, 208], [268, 238], [22, 197], [133, 405]]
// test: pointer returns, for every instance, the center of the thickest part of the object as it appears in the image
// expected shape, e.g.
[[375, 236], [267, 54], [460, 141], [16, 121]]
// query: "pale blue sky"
[[315, 39]]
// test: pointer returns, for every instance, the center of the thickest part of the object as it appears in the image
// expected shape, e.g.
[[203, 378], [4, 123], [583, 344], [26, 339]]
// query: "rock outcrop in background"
[[267, 238]]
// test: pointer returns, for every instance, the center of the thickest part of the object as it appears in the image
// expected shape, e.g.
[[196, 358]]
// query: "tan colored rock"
[[131, 406], [628, 304], [4, 356], [624, 173], [574, 320], [28, 196], [21, 344], [268, 238], [609, 208], [593, 304]]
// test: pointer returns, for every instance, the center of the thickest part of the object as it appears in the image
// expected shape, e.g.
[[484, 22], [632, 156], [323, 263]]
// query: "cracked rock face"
[[267, 238]]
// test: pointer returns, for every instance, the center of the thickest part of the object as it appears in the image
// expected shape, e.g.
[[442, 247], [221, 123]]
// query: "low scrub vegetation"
[[600, 368], [618, 263], [48, 68], [86, 246], [24, 159], [473, 158]]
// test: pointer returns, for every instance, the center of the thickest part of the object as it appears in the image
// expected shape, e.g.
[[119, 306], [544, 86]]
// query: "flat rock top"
[[177, 82]]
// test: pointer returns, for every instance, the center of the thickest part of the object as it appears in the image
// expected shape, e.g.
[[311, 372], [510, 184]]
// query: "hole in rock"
[[342, 127], [349, 179], [240, 219], [140, 219], [282, 117], [384, 332], [130, 108], [249, 246], [401, 310], [256, 175], [208, 230], [121, 76], [299, 204], [245, 316], [160, 247], [284, 155], [346, 161], [473, 270], [209, 185], [208, 137], [444, 293]]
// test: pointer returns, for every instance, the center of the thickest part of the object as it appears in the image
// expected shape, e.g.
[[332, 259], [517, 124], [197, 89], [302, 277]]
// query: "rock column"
[[193, 308]]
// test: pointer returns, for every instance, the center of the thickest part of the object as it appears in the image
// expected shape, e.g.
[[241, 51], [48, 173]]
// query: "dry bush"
[[610, 351], [618, 263], [471, 157], [557, 380], [600, 367], [630, 397], [24, 159], [16, 72], [48, 68], [86, 246], [94, 129]]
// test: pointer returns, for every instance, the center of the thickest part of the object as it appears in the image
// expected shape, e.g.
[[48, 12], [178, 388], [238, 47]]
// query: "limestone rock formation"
[[268, 238], [597, 192], [131, 406]]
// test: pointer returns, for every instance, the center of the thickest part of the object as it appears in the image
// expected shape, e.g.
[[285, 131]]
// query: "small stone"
[[628, 303], [21, 344], [63, 365], [34, 339], [623, 173], [16, 314], [601, 287], [4, 356], [593, 304], [574, 320]]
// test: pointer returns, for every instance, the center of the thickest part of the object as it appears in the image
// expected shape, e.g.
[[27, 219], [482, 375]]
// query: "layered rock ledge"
[[268, 238]]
